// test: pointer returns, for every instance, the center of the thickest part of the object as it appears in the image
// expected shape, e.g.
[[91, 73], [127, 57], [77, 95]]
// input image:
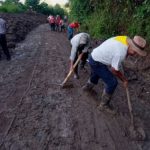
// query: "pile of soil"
[[18, 25]]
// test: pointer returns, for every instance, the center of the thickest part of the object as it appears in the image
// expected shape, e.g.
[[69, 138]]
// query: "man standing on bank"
[[3, 41], [112, 52]]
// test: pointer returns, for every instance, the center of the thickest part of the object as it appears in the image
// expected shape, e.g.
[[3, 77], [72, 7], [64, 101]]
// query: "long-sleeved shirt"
[[81, 38], [2, 26]]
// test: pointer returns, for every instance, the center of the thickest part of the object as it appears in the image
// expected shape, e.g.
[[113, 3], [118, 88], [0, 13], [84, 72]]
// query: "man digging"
[[80, 44], [112, 52]]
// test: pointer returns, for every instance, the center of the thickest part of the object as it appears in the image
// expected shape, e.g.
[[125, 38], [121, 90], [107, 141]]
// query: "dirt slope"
[[36, 114], [18, 25]]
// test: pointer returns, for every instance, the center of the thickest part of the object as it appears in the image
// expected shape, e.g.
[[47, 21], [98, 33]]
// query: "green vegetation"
[[101, 18], [106, 18], [14, 6]]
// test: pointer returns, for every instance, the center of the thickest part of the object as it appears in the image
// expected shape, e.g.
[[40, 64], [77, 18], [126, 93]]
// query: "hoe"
[[63, 84]]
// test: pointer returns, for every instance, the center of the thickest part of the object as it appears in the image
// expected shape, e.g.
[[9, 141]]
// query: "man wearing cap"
[[3, 41], [80, 44], [70, 29], [112, 52]]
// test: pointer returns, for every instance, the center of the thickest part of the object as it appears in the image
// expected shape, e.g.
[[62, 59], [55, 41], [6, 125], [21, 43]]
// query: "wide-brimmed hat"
[[138, 44]]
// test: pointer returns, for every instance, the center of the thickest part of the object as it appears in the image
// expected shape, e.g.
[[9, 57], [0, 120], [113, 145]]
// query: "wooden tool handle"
[[71, 71], [130, 106]]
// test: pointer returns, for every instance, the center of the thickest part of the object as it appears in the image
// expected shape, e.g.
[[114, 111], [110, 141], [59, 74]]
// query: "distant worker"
[[65, 22], [57, 22], [48, 19], [3, 41], [80, 44], [52, 23], [112, 52], [70, 30], [61, 25]]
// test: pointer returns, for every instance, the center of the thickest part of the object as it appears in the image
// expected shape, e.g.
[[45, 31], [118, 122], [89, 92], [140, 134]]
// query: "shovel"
[[135, 133], [72, 70]]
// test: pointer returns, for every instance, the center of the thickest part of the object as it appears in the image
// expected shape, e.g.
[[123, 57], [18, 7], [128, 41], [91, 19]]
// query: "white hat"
[[83, 39]]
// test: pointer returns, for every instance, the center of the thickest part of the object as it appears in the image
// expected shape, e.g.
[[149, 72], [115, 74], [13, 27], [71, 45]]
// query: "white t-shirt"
[[111, 52], [75, 41]]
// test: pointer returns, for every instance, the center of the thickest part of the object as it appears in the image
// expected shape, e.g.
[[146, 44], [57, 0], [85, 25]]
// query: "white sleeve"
[[116, 62], [73, 53]]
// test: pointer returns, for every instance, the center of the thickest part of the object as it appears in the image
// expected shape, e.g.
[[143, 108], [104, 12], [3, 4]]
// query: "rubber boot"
[[105, 104], [88, 87]]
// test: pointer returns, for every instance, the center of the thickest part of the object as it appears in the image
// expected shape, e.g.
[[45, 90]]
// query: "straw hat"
[[137, 44]]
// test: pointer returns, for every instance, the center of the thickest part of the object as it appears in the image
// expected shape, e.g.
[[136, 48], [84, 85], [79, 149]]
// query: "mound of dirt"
[[18, 25]]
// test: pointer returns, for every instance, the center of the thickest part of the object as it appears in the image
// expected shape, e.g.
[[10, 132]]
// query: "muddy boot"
[[104, 104], [88, 87]]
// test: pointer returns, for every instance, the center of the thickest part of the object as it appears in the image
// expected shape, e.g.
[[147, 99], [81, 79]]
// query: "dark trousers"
[[99, 70], [3, 43], [52, 26], [70, 33], [83, 59]]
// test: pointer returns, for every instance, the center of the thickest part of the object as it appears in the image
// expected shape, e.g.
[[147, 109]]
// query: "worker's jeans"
[[69, 33], [83, 59], [3, 43], [99, 70]]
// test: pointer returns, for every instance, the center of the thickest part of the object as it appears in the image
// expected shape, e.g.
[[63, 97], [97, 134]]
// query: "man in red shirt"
[[57, 22], [52, 23], [70, 30]]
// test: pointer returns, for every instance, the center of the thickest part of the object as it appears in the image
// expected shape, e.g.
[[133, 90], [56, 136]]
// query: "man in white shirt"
[[80, 44], [112, 52]]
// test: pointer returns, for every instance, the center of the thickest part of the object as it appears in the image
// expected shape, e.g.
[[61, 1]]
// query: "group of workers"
[[105, 62], [57, 23]]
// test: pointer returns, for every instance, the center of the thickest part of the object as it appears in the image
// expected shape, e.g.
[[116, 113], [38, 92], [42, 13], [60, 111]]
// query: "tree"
[[45, 9], [11, 1], [32, 4], [58, 10]]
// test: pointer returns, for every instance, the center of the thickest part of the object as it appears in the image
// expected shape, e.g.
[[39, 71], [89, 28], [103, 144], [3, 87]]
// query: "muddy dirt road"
[[36, 114]]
